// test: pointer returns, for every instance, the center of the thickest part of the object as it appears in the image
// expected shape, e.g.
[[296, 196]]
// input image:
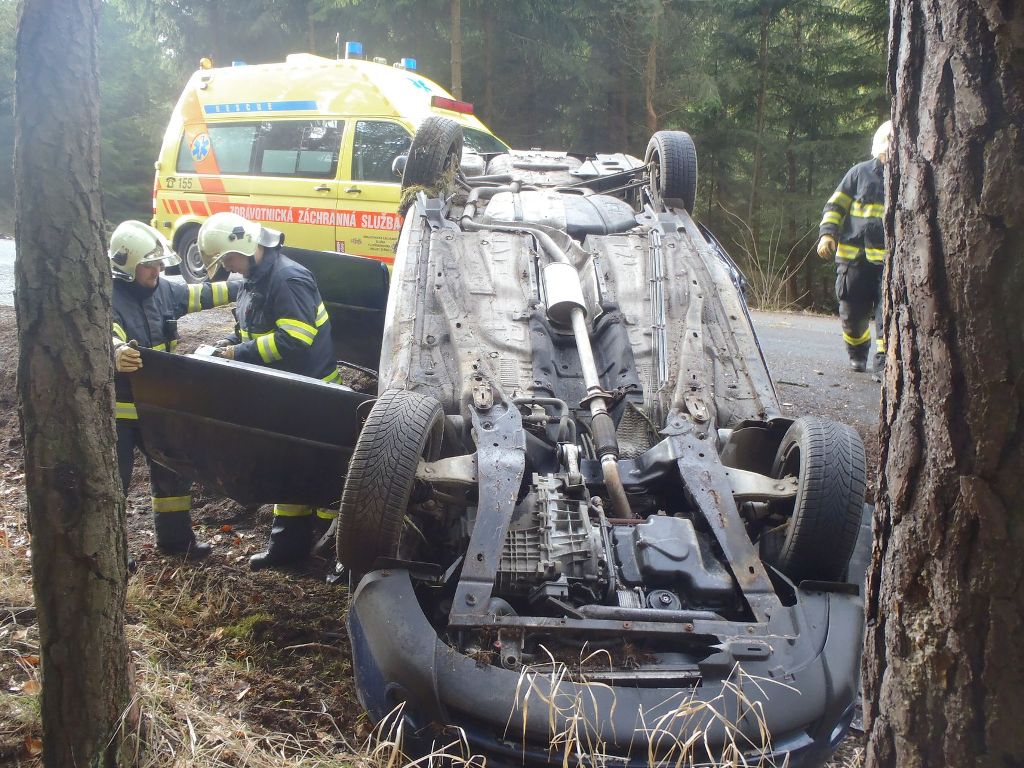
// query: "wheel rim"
[[656, 173], [194, 261], [411, 538]]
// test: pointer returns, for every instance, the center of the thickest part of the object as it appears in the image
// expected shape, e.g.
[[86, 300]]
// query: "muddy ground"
[[281, 634]]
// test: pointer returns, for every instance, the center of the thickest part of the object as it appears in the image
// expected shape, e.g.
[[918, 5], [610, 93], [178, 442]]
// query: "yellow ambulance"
[[305, 146]]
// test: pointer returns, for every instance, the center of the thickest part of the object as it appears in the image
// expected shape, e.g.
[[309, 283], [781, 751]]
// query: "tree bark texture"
[[944, 665], [65, 386]]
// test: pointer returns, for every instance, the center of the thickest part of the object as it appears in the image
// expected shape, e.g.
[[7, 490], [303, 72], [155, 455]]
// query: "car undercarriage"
[[581, 527], [603, 482]]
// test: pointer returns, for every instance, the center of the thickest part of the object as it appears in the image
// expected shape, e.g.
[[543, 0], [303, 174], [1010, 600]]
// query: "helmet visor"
[[161, 255]]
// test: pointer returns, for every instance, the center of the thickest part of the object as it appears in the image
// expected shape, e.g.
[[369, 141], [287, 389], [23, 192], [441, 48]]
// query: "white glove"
[[826, 247], [127, 358]]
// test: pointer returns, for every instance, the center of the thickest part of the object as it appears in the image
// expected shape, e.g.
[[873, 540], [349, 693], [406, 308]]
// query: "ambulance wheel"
[[435, 154], [192, 268], [672, 160], [821, 523], [375, 522]]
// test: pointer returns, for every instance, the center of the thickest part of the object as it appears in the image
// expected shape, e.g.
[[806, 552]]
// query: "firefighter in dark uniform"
[[145, 313], [281, 323], [853, 216]]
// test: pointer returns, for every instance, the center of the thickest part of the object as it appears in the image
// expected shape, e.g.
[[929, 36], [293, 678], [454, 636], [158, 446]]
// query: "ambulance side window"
[[377, 144], [306, 148], [230, 144]]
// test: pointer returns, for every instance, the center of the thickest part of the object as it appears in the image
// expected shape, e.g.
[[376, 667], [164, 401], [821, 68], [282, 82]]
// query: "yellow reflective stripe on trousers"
[[326, 514], [848, 251], [297, 329], [292, 510], [332, 377], [880, 345], [855, 341], [876, 255], [867, 210], [832, 217], [119, 332], [160, 347], [220, 293], [841, 199], [195, 295], [172, 503], [321, 315], [266, 345], [124, 410]]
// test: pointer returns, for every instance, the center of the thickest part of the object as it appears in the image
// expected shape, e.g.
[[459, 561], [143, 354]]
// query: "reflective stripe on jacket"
[[146, 315], [853, 215], [282, 321]]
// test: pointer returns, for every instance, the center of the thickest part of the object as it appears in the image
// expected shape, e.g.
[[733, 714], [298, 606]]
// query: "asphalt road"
[[808, 362], [805, 355]]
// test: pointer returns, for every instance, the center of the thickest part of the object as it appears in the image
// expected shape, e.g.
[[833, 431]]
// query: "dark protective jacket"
[[853, 215], [149, 315], [282, 321]]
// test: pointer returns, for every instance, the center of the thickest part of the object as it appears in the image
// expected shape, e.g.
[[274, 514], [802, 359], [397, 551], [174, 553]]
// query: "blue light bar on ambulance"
[[442, 102], [353, 50], [409, 64], [237, 63]]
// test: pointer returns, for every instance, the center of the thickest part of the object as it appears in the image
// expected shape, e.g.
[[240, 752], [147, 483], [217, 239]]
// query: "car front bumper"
[[796, 704]]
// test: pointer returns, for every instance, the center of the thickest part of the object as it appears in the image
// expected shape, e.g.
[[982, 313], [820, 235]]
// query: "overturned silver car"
[[588, 533], [581, 528]]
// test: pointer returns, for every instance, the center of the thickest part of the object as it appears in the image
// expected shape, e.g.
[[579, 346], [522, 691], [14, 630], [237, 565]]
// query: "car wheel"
[[402, 428], [824, 519], [672, 160], [436, 152]]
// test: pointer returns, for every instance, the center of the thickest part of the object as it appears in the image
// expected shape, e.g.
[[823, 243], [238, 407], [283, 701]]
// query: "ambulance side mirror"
[[398, 165]]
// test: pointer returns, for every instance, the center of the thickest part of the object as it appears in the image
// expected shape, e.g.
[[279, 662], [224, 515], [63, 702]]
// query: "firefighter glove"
[[227, 352], [225, 342], [127, 358], [826, 246]]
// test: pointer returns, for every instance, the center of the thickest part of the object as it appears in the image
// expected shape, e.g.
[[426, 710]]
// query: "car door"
[[254, 434], [368, 220]]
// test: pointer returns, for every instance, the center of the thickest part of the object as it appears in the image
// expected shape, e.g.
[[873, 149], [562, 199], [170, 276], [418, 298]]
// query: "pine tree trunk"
[[65, 386], [311, 27], [792, 254], [489, 42], [651, 68], [753, 211], [456, 9], [944, 666]]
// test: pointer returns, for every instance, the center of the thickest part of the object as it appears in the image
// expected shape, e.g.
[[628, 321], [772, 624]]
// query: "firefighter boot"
[[174, 536], [290, 540], [858, 363]]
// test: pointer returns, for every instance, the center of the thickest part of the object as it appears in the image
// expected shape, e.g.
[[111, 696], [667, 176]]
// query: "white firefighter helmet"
[[227, 232], [134, 243], [880, 144]]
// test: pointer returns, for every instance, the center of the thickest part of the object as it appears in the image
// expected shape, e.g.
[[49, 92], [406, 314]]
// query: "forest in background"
[[780, 96]]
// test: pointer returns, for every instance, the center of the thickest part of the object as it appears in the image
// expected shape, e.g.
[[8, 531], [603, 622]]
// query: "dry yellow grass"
[[181, 724]]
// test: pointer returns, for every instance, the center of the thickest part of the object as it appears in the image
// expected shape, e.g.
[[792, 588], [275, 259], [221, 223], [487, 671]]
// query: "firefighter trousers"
[[859, 291], [171, 493]]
